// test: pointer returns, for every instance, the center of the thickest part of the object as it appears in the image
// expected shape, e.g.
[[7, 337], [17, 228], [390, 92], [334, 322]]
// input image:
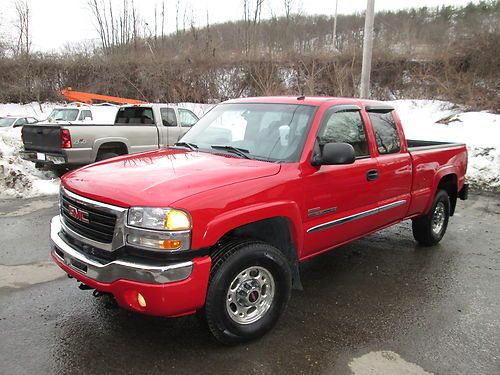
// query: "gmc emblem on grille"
[[78, 214]]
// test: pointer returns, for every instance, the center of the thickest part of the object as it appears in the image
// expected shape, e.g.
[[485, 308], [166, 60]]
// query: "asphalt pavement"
[[380, 305]]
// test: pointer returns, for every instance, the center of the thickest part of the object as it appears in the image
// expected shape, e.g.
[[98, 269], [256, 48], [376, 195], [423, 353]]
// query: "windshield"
[[270, 132], [63, 114], [5, 122]]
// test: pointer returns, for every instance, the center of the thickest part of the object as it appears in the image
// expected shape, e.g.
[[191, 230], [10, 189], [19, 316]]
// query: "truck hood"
[[160, 178]]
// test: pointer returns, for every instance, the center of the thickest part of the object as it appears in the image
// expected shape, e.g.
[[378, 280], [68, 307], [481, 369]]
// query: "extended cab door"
[[341, 201], [394, 163]]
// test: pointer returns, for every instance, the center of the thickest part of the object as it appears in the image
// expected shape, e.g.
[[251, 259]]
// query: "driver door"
[[339, 199]]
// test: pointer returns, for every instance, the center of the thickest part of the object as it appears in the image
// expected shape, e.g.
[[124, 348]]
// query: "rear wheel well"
[[115, 147], [449, 183], [274, 231]]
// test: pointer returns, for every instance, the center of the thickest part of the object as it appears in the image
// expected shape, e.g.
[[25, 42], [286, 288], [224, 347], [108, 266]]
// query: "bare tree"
[[3, 42], [163, 19], [177, 9], [287, 7], [23, 15], [252, 12], [113, 30]]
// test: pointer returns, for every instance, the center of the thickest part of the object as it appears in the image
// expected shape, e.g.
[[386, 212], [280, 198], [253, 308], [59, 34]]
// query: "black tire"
[[424, 232], [60, 171], [228, 263], [105, 155]]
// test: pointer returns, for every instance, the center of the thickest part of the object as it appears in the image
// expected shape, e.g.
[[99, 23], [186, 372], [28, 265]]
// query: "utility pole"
[[367, 50], [335, 26]]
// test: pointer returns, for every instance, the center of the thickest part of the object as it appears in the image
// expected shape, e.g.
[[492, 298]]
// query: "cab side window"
[[20, 122], [345, 127], [85, 114], [187, 117], [135, 116], [386, 132], [168, 117]]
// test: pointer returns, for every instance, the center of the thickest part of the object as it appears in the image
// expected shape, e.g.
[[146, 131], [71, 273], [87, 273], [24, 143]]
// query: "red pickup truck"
[[218, 223]]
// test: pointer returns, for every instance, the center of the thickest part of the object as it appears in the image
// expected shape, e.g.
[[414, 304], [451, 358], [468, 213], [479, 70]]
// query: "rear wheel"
[[250, 284], [429, 229], [106, 155]]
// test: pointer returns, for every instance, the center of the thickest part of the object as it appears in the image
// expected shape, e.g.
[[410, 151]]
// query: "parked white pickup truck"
[[81, 113], [136, 128]]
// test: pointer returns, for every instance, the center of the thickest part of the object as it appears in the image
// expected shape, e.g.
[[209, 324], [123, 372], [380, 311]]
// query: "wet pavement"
[[380, 305]]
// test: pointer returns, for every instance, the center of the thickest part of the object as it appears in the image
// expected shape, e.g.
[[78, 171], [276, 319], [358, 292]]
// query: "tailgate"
[[42, 138]]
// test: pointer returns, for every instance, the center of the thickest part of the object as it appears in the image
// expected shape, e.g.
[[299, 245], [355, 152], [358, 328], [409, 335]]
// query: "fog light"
[[141, 300], [154, 243]]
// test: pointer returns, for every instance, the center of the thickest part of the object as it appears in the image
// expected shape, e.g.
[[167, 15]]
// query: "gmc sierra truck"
[[61, 143], [218, 223]]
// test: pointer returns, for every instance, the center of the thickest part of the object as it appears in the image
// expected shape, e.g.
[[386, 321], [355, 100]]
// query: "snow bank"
[[19, 178], [434, 120]]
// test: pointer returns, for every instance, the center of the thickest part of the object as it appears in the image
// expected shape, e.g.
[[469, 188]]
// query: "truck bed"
[[416, 145], [431, 160]]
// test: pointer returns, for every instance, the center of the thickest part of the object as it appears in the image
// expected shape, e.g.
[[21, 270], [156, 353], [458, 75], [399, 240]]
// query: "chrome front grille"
[[94, 223], [99, 225]]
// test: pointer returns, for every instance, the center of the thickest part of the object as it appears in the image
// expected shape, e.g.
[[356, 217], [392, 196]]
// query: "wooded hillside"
[[450, 53]]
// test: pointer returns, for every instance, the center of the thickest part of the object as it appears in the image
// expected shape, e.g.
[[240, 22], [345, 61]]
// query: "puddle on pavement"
[[24, 275], [30, 207], [384, 363]]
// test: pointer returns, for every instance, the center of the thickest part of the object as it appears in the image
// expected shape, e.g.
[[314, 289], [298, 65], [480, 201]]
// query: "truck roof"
[[149, 105], [306, 100]]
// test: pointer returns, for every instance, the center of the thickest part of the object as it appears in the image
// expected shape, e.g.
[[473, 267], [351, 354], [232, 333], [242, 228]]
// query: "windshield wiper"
[[235, 150], [190, 146]]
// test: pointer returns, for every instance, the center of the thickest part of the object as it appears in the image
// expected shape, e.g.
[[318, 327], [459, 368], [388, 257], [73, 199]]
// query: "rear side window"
[[345, 127], [135, 115], [386, 132], [87, 114], [168, 117]]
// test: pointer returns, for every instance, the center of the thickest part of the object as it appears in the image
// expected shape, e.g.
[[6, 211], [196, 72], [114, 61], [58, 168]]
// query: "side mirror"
[[333, 154], [87, 119]]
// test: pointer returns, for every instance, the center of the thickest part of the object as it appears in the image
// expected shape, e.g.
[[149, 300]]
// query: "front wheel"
[[429, 229], [250, 284]]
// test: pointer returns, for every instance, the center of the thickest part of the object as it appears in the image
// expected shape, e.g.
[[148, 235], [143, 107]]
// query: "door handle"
[[372, 175]]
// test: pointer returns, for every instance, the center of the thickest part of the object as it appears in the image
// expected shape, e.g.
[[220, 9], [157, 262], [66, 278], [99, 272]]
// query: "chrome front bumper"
[[115, 270]]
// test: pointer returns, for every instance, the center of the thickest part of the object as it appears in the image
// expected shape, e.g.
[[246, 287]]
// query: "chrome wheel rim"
[[250, 295], [438, 218]]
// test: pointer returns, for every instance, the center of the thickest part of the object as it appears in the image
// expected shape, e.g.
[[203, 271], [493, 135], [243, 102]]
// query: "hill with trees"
[[448, 53]]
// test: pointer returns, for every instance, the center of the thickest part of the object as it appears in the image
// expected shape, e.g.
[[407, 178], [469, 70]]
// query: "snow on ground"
[[19, 178], [435, 120], [421, 120], [40, 111]]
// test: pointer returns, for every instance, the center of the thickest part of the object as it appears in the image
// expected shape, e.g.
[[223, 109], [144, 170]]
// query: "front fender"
[[229, 220]]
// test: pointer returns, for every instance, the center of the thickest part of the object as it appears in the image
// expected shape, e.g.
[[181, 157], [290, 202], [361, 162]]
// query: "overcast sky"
[[57, 22]]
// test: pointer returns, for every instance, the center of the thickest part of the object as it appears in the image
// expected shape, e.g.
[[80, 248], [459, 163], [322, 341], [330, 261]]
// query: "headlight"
[[159, 218]]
